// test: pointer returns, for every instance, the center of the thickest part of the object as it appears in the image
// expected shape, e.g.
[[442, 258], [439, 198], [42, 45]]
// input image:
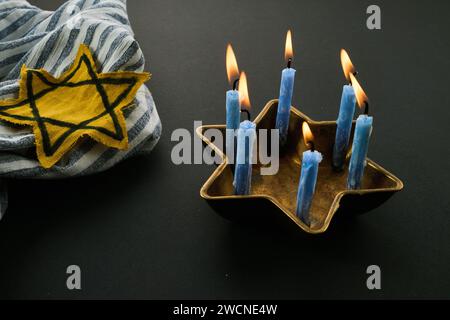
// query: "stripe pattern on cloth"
[[50, 40]]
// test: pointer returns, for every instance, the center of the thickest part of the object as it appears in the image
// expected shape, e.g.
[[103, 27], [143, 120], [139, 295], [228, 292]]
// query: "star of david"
[[80, 102]]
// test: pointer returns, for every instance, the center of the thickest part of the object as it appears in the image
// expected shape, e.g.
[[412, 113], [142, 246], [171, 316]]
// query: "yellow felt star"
[[80, 102]]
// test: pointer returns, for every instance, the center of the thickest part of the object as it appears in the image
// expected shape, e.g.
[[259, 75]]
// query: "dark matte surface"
[[141, 230]]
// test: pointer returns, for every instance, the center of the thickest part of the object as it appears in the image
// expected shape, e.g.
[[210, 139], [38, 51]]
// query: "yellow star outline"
[[80, 102]]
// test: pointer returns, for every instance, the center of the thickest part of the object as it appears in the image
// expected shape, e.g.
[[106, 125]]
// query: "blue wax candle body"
[[307, 184], [284, 103], [233, 119], [361, 139], [246, 137], [344, 126]]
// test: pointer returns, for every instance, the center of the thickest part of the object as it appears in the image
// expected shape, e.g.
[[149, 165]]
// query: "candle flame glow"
[[244, 97], [232, 66], [307, 134], [288, 51], [361, 96], [347, 65]]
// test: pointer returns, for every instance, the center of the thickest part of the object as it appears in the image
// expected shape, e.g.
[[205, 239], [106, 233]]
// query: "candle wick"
[[235, 82], [289, 63], [311, 145], [366, 107], [249, 116]]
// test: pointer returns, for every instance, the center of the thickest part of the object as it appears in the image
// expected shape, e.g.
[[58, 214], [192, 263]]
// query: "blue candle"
[[361, 139], [286, 89], [346, 113], [233, 119], [363, 130], [233, 109], [308, 177], [232, 101], [246, 137], [344, 126]]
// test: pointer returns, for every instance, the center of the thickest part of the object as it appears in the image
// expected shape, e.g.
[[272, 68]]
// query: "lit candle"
[[246, 138], [286, 89], [232, 102], [363, 130], [308, 176], [346, 113]]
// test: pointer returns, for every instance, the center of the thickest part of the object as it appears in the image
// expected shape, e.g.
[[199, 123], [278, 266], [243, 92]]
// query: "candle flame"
[[307, 134], [232, 66], [347, 65], [361, 96], [244, 97], [288, 51]]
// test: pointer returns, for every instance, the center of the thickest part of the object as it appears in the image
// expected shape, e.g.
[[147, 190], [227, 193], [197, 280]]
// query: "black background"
[[141, 230]]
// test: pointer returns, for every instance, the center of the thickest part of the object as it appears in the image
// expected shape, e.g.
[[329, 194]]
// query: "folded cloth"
[[50, 40]]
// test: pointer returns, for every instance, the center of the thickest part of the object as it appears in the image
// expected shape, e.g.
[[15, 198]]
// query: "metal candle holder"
[[278, 193]]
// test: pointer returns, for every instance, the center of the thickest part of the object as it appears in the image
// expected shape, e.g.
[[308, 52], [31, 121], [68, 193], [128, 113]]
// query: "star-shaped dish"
[[279, 191], [79, 102]]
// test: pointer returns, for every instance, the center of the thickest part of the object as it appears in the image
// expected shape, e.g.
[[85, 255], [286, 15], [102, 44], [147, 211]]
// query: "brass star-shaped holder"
[[80, 102], [279, 192]]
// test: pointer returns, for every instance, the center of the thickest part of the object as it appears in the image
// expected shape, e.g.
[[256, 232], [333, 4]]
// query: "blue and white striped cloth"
[[50, 40]]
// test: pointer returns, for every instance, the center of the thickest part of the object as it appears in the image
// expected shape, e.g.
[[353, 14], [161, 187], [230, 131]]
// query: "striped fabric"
[[50, 40]]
